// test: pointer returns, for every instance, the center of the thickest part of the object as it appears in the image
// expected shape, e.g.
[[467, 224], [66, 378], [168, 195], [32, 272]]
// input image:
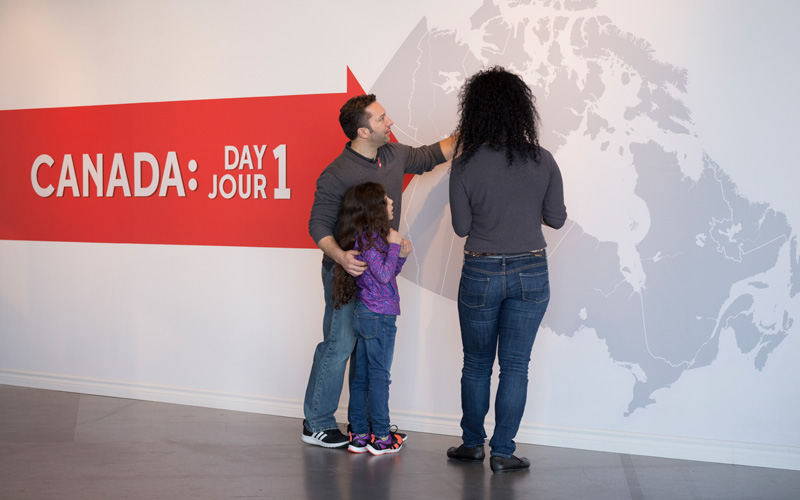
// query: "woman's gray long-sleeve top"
[[500, 208]]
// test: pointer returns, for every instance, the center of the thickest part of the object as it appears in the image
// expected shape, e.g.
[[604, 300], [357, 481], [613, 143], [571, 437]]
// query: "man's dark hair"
[[354, 115], [497, 110]]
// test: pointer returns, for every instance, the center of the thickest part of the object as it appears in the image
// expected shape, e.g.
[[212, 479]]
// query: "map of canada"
[[665, 255]]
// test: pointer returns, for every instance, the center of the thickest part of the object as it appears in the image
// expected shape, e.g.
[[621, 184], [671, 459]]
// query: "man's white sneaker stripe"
[[327, 439]]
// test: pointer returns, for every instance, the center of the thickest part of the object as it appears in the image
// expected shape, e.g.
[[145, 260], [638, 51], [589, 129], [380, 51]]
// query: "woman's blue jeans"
[[375, 337], [501, 302]]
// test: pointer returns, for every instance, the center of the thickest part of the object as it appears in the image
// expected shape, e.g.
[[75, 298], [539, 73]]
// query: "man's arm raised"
[[448, 146]]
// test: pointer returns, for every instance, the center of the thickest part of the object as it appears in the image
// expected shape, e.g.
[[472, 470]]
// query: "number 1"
[[281, 192]]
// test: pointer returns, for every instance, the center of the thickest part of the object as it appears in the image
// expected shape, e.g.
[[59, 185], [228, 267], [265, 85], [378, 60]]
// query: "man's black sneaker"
[[332, 438]]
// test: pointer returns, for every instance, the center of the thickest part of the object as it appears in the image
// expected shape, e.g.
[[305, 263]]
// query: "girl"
[[364, 226]]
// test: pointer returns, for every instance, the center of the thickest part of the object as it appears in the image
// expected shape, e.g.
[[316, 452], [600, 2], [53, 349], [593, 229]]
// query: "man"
[[369, 156]]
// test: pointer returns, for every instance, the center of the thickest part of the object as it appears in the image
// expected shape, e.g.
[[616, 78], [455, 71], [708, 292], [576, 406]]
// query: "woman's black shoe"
[[465, 454], [500, 464]]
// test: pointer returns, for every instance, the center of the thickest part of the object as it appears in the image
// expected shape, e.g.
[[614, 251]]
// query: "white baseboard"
[[653, 445], [705, 450], [284, 407]]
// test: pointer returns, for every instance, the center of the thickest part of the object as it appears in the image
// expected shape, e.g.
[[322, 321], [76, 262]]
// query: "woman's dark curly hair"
[[497, 110], [362, 218]]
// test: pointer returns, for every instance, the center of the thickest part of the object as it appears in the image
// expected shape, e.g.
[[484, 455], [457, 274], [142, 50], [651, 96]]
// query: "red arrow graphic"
[[230, 172]]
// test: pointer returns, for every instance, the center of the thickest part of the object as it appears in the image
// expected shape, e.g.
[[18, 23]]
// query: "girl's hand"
[[394, 237], [405, 248]]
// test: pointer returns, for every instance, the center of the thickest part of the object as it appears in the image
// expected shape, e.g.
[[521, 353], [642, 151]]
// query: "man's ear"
[[363, 132]]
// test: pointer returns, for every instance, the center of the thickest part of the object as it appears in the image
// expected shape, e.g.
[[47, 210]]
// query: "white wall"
[[236, 327]]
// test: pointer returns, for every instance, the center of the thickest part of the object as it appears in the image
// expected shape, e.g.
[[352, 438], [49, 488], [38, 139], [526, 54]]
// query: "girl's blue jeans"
[[501, 302], [375, 335]]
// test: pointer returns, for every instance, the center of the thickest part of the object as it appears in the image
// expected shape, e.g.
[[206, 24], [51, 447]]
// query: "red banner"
[[230, 172]]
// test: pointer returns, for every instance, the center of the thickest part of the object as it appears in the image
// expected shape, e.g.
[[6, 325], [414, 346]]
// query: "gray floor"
[[58, 445]]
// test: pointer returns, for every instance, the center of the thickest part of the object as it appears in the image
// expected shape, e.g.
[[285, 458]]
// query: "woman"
[[503, 187]]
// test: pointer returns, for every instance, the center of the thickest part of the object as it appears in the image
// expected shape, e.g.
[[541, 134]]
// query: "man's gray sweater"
[[350, 168]]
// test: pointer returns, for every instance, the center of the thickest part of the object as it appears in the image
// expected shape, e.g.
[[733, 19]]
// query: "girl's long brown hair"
[[362, 218]]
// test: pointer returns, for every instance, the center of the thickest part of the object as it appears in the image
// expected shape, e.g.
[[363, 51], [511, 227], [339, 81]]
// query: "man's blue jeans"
[[501, 302], [330, 361], [370, 384]]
